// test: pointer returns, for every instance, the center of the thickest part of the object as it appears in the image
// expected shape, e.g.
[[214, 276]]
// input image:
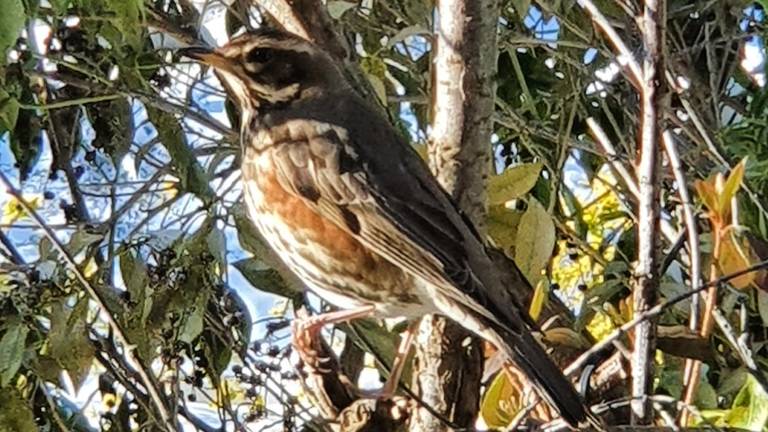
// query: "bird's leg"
[[305, 329], [398, 364]]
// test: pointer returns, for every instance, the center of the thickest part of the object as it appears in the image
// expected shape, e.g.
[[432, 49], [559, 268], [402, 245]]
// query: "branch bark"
[[448, 364], [652, 97]]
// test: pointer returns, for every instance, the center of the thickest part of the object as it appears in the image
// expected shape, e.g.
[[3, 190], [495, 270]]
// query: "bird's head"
[[269, 67]]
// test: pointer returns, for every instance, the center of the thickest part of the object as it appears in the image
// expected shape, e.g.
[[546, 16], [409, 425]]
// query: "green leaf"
[[750, 407], [337, 8], [535, 241], [498, 405], [762, 306], [192, 175], [135, 276], [128, 19], [265, 278], [15, 413], [68, 339], [406, 33], [706, 396], [378, 87], [502, 227], [247, 234], [732, 382], [193, 324], [603, 291], [9, 111], [81, 240], [11, 22], [217, 245], [12, 351], [513, 183]]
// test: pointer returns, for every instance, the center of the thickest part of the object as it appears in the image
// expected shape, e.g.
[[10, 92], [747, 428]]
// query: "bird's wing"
[[390, 203]]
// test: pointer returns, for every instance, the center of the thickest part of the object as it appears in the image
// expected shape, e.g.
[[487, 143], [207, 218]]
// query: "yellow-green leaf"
[[540, 296], [750, 407], [513, 183], [13, 210], [732, 185], [535, 241], [502, 227], [500, 402]]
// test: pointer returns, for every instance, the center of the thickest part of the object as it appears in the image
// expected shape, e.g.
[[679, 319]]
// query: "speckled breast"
[[331, 261]]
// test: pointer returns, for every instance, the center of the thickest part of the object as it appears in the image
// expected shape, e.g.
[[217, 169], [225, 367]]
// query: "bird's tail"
[[526, 353]]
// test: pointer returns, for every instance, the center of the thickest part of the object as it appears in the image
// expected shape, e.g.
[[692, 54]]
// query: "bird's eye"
[[259, 55]]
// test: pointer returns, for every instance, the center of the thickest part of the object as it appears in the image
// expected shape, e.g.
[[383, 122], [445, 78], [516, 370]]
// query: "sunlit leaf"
[[13, 210], [193, 322], [736, 255], [732, 185], [707, 192], [750, 407], [500, 402], [513, 183], [540, 297], [535, 240], [502, 227], [81, 240], [379, 88]]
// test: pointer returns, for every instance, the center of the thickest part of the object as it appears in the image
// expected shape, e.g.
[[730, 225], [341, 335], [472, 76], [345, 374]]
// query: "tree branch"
[[652, 101]]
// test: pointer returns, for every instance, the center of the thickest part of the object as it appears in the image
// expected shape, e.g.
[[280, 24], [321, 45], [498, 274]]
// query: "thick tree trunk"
[[448, 365]]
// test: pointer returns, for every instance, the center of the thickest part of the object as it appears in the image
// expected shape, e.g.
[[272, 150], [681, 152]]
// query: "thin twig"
[[625, 54], [694, 253], [15, 256]]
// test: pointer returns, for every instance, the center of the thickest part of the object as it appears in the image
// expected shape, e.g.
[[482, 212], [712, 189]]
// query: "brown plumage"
[[355, 212]]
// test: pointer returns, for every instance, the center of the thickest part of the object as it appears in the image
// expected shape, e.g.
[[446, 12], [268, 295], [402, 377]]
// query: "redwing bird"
[[354, 211]]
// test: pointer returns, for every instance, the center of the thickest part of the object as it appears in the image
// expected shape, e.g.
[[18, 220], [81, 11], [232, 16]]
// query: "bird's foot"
[[305, 331]]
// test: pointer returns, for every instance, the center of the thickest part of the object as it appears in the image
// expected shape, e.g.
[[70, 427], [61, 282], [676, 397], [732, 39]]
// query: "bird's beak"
[[208, 56]]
